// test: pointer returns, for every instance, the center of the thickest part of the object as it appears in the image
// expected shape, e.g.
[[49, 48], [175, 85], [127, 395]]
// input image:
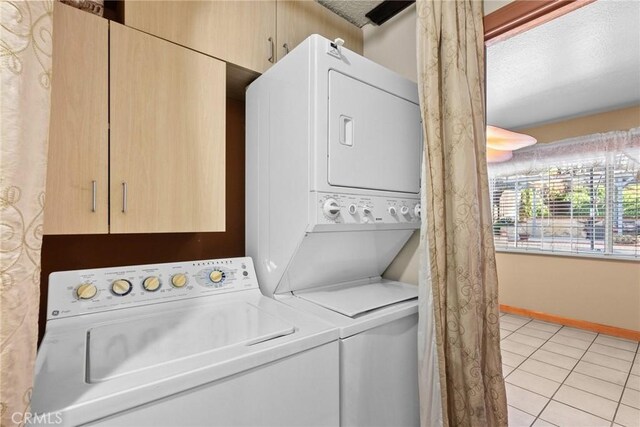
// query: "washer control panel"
[[72, 293], [356, 209]]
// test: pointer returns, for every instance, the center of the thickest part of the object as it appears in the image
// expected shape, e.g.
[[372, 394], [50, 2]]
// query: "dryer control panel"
[[72, 293], [334, 208]]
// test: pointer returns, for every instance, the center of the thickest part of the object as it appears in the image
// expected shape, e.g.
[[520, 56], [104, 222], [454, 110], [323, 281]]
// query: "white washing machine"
[[333, 165], [181, 344]]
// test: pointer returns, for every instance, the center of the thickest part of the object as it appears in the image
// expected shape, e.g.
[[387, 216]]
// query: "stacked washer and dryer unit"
[[334, 148]]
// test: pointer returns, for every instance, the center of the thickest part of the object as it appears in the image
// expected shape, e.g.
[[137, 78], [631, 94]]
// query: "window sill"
[[569, 255]]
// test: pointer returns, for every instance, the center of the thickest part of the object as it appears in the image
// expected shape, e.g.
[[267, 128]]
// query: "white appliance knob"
[[392, 210], [216, 276], [121, 287], [353, 209], [366, 210], [404, 210], [179, 280], [331, 208], [151, 283], [416, 210], [86, 291]]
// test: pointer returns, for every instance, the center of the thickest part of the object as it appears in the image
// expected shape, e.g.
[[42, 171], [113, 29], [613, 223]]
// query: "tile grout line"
[[624, 388], [593, 341], [613, 357], [515, 368], [571, 357], [565, 379], [527, 358]]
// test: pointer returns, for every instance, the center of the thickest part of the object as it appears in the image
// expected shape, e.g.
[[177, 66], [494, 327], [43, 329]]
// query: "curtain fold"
[[459, 270], [25, 71]]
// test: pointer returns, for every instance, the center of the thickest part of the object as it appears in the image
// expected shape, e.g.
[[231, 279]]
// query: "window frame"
[[608, 168]]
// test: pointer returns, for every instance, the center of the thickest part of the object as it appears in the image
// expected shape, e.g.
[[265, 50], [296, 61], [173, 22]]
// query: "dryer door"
[[375, 137]]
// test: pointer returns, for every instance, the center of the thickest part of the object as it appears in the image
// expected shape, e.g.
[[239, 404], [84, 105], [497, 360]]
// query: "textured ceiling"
[[351, 10], [584, 62]]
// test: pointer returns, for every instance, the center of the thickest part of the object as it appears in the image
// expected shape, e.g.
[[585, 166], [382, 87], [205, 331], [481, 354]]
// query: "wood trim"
[[522, 15], [567, 321]]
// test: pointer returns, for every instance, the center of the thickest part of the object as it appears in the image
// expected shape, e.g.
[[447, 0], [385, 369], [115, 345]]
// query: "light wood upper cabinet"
[[167, 136], [241, 32], [77, 170], [298, 19]]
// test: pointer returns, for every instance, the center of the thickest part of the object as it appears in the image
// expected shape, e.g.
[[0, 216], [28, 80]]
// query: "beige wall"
[[601, 291], [405, 267], [621, 119], [393, 44]]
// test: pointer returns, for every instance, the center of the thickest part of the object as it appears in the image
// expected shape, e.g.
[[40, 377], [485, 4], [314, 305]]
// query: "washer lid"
[[122, 348], [354, 299]]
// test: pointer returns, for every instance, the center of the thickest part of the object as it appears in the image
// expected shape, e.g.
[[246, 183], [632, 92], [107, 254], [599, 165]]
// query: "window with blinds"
[[582, 197]]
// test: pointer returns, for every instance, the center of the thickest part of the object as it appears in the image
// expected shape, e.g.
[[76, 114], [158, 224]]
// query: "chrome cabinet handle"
[[286, 48], [93, 195], [124, 197], [272, 47]]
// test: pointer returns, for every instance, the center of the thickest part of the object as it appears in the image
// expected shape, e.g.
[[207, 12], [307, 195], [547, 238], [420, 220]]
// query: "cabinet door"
[[241, 32], [298, 19], [77, 174], [167, 151]]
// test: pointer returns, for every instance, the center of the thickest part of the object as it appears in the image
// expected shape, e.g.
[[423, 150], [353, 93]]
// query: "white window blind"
[[579, 196]]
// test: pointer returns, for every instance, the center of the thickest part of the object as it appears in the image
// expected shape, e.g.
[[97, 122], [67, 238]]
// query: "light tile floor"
[[561, 376]]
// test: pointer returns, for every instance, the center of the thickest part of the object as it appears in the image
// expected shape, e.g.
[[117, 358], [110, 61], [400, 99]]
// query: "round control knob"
[[151, 284], [86, 291], [366, 210], [216, 276], [353, 209], [404, 210], [331, 208], [392, 210], [121, 287], [179, 280], [416, 210]]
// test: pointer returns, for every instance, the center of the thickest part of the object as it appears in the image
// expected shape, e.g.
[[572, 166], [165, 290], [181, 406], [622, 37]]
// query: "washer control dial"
[[216, 276], [404, 210], [331, 208], [86, 291], [121, 287], [179, 280], [353, 209], [392, 210], [151, 283], [416, 210], [366, 210]]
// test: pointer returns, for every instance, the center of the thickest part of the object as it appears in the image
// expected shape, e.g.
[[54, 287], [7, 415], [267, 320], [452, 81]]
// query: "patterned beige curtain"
[[460, 268], [25, 37]]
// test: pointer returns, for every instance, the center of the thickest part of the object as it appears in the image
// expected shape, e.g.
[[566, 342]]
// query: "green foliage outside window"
[[631, 201]]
